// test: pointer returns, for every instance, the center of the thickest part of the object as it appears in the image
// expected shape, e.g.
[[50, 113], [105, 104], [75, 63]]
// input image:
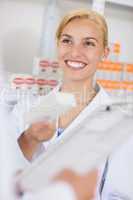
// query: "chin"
[[75, 78]]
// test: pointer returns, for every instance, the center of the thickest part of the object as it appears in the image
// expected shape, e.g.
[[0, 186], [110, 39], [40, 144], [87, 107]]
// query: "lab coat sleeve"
[[8, 132], [18, 114], [22, 161], [23, 106], [119, 180]]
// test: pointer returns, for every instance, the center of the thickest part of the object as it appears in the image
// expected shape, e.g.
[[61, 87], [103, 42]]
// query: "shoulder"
[[102, 98], [120, 177]]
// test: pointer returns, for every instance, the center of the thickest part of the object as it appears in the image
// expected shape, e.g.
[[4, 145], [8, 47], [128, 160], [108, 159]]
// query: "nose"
[[76, 51]]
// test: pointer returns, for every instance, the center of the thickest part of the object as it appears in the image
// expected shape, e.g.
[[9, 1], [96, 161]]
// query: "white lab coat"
[[119, 179], [11, 158], [100, 99]]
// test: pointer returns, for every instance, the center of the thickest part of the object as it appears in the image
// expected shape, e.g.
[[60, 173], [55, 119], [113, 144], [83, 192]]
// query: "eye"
[[89, 43], [66, 41]]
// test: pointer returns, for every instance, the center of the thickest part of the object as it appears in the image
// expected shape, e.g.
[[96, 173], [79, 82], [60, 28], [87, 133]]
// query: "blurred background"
[[27, 37]]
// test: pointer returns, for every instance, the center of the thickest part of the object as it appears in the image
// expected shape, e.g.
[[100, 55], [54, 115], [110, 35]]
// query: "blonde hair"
[[87, 14]]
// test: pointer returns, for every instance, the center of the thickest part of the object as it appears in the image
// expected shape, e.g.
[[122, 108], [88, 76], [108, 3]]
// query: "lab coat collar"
[[99, 101], [101, 98]]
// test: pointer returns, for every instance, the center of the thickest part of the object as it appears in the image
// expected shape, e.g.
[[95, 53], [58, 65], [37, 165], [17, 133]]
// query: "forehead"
[[82, 26]]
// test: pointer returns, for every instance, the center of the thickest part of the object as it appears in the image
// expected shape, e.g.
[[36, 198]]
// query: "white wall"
[[55, 12], [120, 21], [21, 27], [21, 24]]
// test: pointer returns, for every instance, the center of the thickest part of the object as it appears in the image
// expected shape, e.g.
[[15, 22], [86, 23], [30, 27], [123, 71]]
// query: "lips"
[[76, 65]]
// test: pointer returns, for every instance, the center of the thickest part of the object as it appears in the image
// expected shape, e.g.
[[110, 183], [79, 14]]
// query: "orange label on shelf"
[[108, 84], [128, 85], [117, 48], [115, 66], [129, 68], [110, 66]]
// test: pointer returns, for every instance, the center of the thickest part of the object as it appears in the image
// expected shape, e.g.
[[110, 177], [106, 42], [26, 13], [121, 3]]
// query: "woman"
[[82, 42]]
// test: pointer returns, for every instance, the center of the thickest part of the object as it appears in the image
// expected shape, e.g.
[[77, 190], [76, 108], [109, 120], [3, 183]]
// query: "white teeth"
[[76, 64]]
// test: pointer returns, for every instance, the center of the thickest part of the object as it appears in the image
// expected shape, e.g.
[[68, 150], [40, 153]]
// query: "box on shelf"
[[115, 51]]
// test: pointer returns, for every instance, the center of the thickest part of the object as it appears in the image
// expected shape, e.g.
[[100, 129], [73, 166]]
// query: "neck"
[[76, 86], [82, 90]]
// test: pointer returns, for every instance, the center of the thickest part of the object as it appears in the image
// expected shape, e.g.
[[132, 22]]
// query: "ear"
[[106, 52]]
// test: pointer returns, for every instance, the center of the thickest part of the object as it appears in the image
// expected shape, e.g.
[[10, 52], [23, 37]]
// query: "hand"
[[30, 140], [40, 131], [84, 186]]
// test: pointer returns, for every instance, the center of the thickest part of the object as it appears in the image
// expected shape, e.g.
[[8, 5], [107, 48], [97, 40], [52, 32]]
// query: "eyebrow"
[[86, 38], [90, 38], [66, 35]]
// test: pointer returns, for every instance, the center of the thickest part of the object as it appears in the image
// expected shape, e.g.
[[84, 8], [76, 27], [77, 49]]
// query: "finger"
[[65, 175], [43, 125]]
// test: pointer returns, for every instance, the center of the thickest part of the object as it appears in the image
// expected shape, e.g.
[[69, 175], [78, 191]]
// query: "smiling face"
[[80, 48]]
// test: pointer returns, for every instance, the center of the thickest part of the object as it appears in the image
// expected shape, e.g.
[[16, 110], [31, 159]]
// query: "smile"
[[75, 64]]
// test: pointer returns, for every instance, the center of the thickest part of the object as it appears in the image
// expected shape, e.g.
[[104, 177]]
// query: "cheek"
[[63, 50], [61, 53], [93, 60], [95, 56]]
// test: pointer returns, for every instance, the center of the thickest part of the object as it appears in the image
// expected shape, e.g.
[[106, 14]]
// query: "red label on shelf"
[[30, 81], [55, 64], [41, 81], [52, 82], [44, 63], [19, 81]]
